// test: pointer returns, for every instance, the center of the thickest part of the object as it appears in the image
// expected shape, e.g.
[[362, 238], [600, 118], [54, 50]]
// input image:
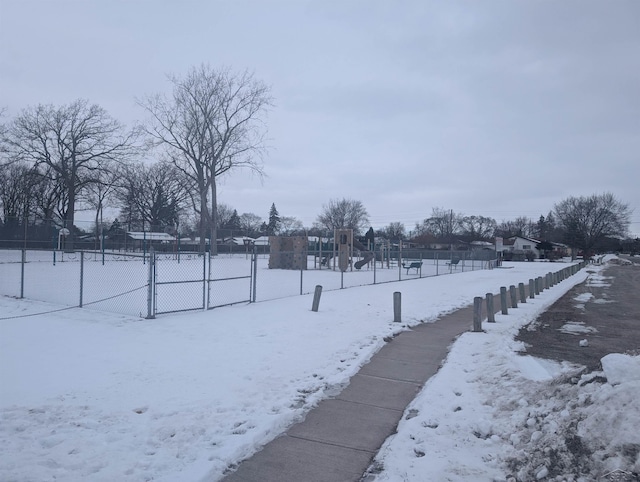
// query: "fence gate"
[[231, 279], [193, 281], [179, 282]]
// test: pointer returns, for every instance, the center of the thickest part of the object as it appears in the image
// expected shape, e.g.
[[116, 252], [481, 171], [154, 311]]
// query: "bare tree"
[[212, 123], [444, 224], [75, 142], [521, 226], [478, 228], [587, 221], [98, 195], [16, 181], [343, 214], [48, 197], [394, 231], [250, 224], [290, 226], [153, 195], [225, 213]]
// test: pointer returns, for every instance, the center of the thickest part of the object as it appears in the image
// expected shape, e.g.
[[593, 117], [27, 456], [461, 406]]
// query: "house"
[[521, 243], [519, 248]]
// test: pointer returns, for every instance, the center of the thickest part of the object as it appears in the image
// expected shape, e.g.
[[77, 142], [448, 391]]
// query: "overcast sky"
[[493, 108]]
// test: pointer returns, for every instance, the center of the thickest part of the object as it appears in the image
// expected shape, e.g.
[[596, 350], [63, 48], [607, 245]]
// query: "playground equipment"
[[343, 247], [366, 254], [288, 252], [343, 244]]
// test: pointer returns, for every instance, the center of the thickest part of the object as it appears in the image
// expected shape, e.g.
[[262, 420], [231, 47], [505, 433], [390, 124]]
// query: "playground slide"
[[367, 255]]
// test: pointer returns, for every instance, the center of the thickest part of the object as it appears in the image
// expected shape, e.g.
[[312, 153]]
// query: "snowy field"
[[93, 396]]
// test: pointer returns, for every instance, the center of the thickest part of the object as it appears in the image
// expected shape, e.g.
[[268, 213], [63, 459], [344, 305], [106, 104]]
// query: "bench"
[[453, 263], [413, 265]]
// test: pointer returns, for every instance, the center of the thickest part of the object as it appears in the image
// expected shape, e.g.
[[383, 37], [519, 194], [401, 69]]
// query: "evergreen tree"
[[273, 227], [233, 222]]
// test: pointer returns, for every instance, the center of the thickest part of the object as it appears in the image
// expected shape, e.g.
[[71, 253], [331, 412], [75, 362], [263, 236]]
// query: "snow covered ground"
[[95, 396]]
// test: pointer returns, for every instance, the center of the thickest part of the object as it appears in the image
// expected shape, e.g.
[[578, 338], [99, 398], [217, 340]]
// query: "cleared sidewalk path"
[[338, 439]]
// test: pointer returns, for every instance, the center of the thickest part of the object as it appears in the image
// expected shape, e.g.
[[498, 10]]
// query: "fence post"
[[374, 263], [503, 300], [523, 296], [255, 272], [81, 276], [491, 312], [205, 283], [301, 280], [397, 307], [532, 289], [477, 314], [22, 263], [150, 286], [316, 298]]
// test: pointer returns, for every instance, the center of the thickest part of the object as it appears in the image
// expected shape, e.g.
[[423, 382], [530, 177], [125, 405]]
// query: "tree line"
[[595, 223], [162, 175]]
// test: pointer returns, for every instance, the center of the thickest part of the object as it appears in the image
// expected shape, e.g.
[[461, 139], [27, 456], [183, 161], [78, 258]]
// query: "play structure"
[[346, 247], [342, 253], [346, 252]]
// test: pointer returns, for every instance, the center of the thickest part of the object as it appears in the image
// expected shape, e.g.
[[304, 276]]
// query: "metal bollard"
[[477, 313], [503, 300], [491, 312], [397, 307], [532, 293], [514, 296], [523, 296], [316, 298]]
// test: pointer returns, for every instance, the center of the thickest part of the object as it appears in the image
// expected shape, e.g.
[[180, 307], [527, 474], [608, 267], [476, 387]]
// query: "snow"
[[95, 396], [576, 328]]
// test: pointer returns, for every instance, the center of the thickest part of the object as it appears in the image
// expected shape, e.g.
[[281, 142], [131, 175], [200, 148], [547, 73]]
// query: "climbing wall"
[[288, 252]]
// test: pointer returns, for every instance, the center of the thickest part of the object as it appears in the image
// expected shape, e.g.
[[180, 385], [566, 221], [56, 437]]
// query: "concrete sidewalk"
[[338, 439]]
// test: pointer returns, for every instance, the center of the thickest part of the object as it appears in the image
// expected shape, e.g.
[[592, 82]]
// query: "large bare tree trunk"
[[69, 244], [214, 217], [204, 215]]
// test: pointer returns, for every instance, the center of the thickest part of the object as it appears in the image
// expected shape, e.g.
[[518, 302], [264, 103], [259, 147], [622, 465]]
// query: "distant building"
[[139, 240]]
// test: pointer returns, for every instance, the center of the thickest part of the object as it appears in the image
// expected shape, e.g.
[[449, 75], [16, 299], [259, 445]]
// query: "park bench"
[[453, 263], [413, 265]]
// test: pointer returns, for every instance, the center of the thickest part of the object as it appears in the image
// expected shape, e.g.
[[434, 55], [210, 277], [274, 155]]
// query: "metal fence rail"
[[159, 283]]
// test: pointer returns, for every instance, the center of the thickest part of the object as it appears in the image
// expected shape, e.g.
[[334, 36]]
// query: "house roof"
[[525, 238], [481, 243], [143, 235]]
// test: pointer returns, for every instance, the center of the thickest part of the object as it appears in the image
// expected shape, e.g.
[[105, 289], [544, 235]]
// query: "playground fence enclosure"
[[155, 283]]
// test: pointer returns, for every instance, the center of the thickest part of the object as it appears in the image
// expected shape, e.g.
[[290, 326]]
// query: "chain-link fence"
[[109, 282], [154, 283], [322, 268]]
